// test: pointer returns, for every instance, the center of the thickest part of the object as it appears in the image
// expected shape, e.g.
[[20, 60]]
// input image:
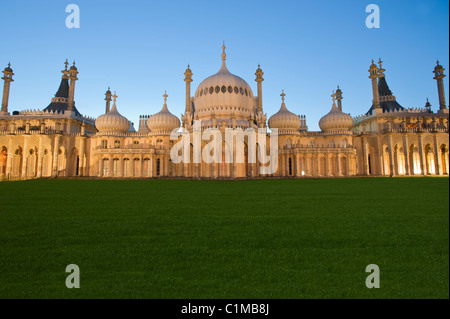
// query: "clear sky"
[[141, 48]]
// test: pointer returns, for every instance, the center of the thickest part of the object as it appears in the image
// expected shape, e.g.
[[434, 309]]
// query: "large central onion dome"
[[336, 120], [224, 92], [113, 121], [164, 121], [284, 119]]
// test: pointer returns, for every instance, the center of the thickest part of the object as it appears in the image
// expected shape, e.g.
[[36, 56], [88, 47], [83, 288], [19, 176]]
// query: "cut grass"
[[225, 239]]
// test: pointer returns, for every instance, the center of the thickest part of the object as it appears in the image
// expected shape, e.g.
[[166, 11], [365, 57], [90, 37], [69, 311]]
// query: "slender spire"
[[381, 70], [66, 64], [334, 98], [224, 55], [165, 97], [283, 105], [114, 98]]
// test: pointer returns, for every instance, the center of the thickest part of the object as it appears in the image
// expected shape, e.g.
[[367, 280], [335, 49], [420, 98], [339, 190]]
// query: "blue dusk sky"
[[141, 48]]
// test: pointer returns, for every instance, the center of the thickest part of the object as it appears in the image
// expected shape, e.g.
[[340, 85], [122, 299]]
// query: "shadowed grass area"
[[225, 239]]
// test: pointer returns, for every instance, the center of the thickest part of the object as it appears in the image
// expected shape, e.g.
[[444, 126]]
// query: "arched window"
[[104, 144], [211, 90], [230, 89], [217, 89], [224, 89], [236, 90], [206, 91], [158, 167], [242, 91]]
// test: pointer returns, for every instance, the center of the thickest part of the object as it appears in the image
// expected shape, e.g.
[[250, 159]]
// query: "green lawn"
[[225, 239]]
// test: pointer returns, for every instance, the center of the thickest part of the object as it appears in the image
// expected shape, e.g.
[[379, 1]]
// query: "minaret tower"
[[374, 76], [187, 117], [439, 77], [73, 72], [108, 100], [339, 98], [188, 79], [260, 117], [7, 77], [259, 79]]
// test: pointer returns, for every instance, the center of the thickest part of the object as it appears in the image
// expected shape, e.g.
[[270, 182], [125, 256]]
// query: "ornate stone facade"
[[388, 140]]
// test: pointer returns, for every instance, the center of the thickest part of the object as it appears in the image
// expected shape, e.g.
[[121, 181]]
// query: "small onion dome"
[[112, 121], [8, 68], [164, 121], [73, 67], [336, 120], [438, 67], [284, 119]]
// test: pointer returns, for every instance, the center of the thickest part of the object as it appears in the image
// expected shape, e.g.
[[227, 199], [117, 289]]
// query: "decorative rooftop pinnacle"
[[380, 63], [165, 97], [282, 96], [114, 98], [66, 64], [334, 97], [224, 55], [9, 64]]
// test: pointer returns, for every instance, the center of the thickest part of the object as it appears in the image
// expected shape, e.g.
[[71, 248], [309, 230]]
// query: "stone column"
[[327, 164], [391, 155], [100, 166], [437, 157], [366, 157], [423, 162], [282, 164], [40, 158], [338, 167], [55, 156], [82, 147], [141, 173], [348, 168], [406, 154], [307, 164], [297, 164], [25, 156], [9, 159], [111, 165]]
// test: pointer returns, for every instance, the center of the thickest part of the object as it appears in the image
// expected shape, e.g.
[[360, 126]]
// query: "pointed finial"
[[115, 97], [9, 64], [73, 62], [282, 95], [334, 97], [380, 63], [109, 88], [224, 55], [66, 63], [189, 66], [165, 97], [437, 62]]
